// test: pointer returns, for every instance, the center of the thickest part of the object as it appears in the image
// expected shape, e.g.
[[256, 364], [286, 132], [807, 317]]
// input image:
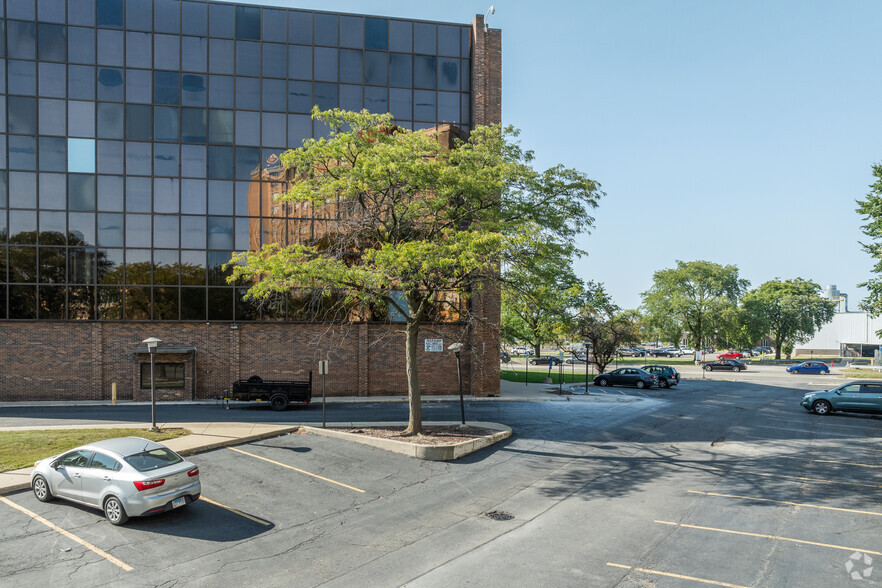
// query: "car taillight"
[[141, 486], [193, 472]]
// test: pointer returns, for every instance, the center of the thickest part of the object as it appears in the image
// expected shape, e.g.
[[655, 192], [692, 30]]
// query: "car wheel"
[[114, 511], [822, 407], [279, 402], [794, 371], [41, 489], [603, 382], [736, 369], [641, 384], [708, 368], [825, 371], [662, 383]]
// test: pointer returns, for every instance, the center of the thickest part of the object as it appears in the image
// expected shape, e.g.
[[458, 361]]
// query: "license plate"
[[179, 502]]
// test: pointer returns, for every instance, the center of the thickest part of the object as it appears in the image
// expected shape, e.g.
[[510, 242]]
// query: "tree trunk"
[[415, 420]]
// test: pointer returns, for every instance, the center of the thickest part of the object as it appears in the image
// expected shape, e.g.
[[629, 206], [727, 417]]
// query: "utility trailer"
[[278, 393]]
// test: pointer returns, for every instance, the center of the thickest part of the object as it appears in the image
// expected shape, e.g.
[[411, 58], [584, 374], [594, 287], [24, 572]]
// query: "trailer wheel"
[[279, 402]]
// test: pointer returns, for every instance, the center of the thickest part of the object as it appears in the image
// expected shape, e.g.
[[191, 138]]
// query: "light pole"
[[151, 347], [456, 348]]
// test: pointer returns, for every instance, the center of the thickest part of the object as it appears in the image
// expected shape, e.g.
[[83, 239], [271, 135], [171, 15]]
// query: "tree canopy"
[[871, 210], [605, 326], [413, 225]]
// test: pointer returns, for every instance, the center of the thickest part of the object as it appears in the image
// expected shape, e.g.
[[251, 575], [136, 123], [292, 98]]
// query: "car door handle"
[[77, 476], [106, 478]]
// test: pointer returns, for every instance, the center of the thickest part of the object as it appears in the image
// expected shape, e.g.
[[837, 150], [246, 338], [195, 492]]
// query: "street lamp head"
[[151, 343], [455, 348]]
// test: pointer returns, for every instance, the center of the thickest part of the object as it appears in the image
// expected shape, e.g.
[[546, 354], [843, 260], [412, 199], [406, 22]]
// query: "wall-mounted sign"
[[434, 344]]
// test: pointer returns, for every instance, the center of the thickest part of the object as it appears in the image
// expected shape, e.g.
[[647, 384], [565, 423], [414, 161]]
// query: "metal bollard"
[[113, 393]]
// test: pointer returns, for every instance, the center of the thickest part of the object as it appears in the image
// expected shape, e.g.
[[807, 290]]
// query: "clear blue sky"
[[740, 132]]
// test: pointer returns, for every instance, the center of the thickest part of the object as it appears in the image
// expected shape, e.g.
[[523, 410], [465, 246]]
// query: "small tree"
[[871, 210], [412, 225], [605, 327]]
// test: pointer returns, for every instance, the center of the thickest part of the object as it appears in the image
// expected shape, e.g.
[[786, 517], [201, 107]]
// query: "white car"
[[125, 477]]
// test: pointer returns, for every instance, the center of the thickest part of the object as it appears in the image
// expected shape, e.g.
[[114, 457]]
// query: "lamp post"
[[586, 366], [151, 347], [456, 348]]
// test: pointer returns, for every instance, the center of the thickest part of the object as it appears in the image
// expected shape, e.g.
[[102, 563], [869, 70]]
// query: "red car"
[[730, 355]]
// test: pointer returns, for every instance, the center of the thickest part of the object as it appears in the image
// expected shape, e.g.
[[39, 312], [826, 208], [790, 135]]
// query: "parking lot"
[[715, 482]]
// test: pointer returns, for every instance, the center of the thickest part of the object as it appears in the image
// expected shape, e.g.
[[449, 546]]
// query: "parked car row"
[[648, 376]]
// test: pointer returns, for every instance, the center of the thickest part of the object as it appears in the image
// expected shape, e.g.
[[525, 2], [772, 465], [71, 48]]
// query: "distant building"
[[849, 334]]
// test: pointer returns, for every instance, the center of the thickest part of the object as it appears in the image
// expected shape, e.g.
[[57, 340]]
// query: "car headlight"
[[808, 395]]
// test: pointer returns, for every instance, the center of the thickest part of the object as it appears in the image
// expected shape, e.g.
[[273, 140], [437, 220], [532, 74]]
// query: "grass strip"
[[537, 375], [20, 449]]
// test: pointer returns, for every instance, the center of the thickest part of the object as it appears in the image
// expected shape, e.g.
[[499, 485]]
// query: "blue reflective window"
[[275, 25], [166, 87], [351, 97], [165, 160], [23, 9], [194, 54], [139, 194], [325, 67], [376, 33], [247, 58], [194, 125], [220, 197], [52, 221], [111, 45], [401, 36], [220, 162], [424, 36], [220, 232], [81, 194], [193, 161], [22, 77], [247, 162], [166, 233], [81, 13], [448, 74], [351, 66], [139, 85], [53, 154], [424, 103], [81, 82], [139, 122], [221, 20], [376, 99], [274, 96], [352, 31], [193, 199], [111, 158], [52, 44], [22, 115], [22, 152], [275, 60], [222, 56], [325, 96], [221, 91], [166, 124], [53, 80], [110, 230], [300, 97], [137, 235], [21, 40], [53, 117], [375, 65], [424, 71], [139, 49], [166, 195], [110, 120], [448, 40], [448, 107], [22, 190], [110, 193], [81, 45], [139, 14], [139, 159], [220, 126], [273, 128], [466, 74], [248, 22], [73, 155], [326, 29], [300, 27], [466, 41], [248, 93], [194, 20], [247, 128], [110, 84], [401, 103], [300, 62], [194, 89], [167, 52], [167, 16]]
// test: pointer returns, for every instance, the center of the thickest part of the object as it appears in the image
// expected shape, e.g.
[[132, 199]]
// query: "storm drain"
[[499, 515]]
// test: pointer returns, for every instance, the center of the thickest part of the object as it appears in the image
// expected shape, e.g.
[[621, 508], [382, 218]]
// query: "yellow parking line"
[[68, 534], [800, 478], [238, 512], [775, 537], [296, 469], [678, 576], [866, 512]]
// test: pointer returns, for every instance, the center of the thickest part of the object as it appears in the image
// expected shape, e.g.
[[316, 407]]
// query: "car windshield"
[[153, 459]]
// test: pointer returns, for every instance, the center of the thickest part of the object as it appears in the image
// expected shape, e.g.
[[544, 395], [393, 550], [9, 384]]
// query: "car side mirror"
[[837, 392], [54, 465]]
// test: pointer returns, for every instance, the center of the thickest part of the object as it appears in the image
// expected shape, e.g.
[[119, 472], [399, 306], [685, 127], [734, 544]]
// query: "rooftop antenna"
[[491, 10]]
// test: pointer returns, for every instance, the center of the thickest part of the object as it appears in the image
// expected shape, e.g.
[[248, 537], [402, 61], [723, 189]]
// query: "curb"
[[448, 452]]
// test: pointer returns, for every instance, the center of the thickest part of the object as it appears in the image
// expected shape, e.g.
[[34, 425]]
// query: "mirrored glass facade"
[[140, 143]]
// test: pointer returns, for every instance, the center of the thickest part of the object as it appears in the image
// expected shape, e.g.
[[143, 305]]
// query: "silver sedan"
[[124, 477]]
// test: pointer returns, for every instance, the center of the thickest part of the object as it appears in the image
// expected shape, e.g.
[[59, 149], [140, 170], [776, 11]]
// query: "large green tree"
[[871, 210], [695, 294], [605, 327], [411, 224], [791, 310]]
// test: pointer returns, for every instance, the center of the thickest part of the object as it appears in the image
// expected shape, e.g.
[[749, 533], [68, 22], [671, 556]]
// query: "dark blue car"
[[810, 367]]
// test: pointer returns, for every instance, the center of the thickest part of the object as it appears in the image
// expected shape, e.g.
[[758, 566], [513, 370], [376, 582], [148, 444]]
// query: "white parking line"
[[278, 463], [68, 534]]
